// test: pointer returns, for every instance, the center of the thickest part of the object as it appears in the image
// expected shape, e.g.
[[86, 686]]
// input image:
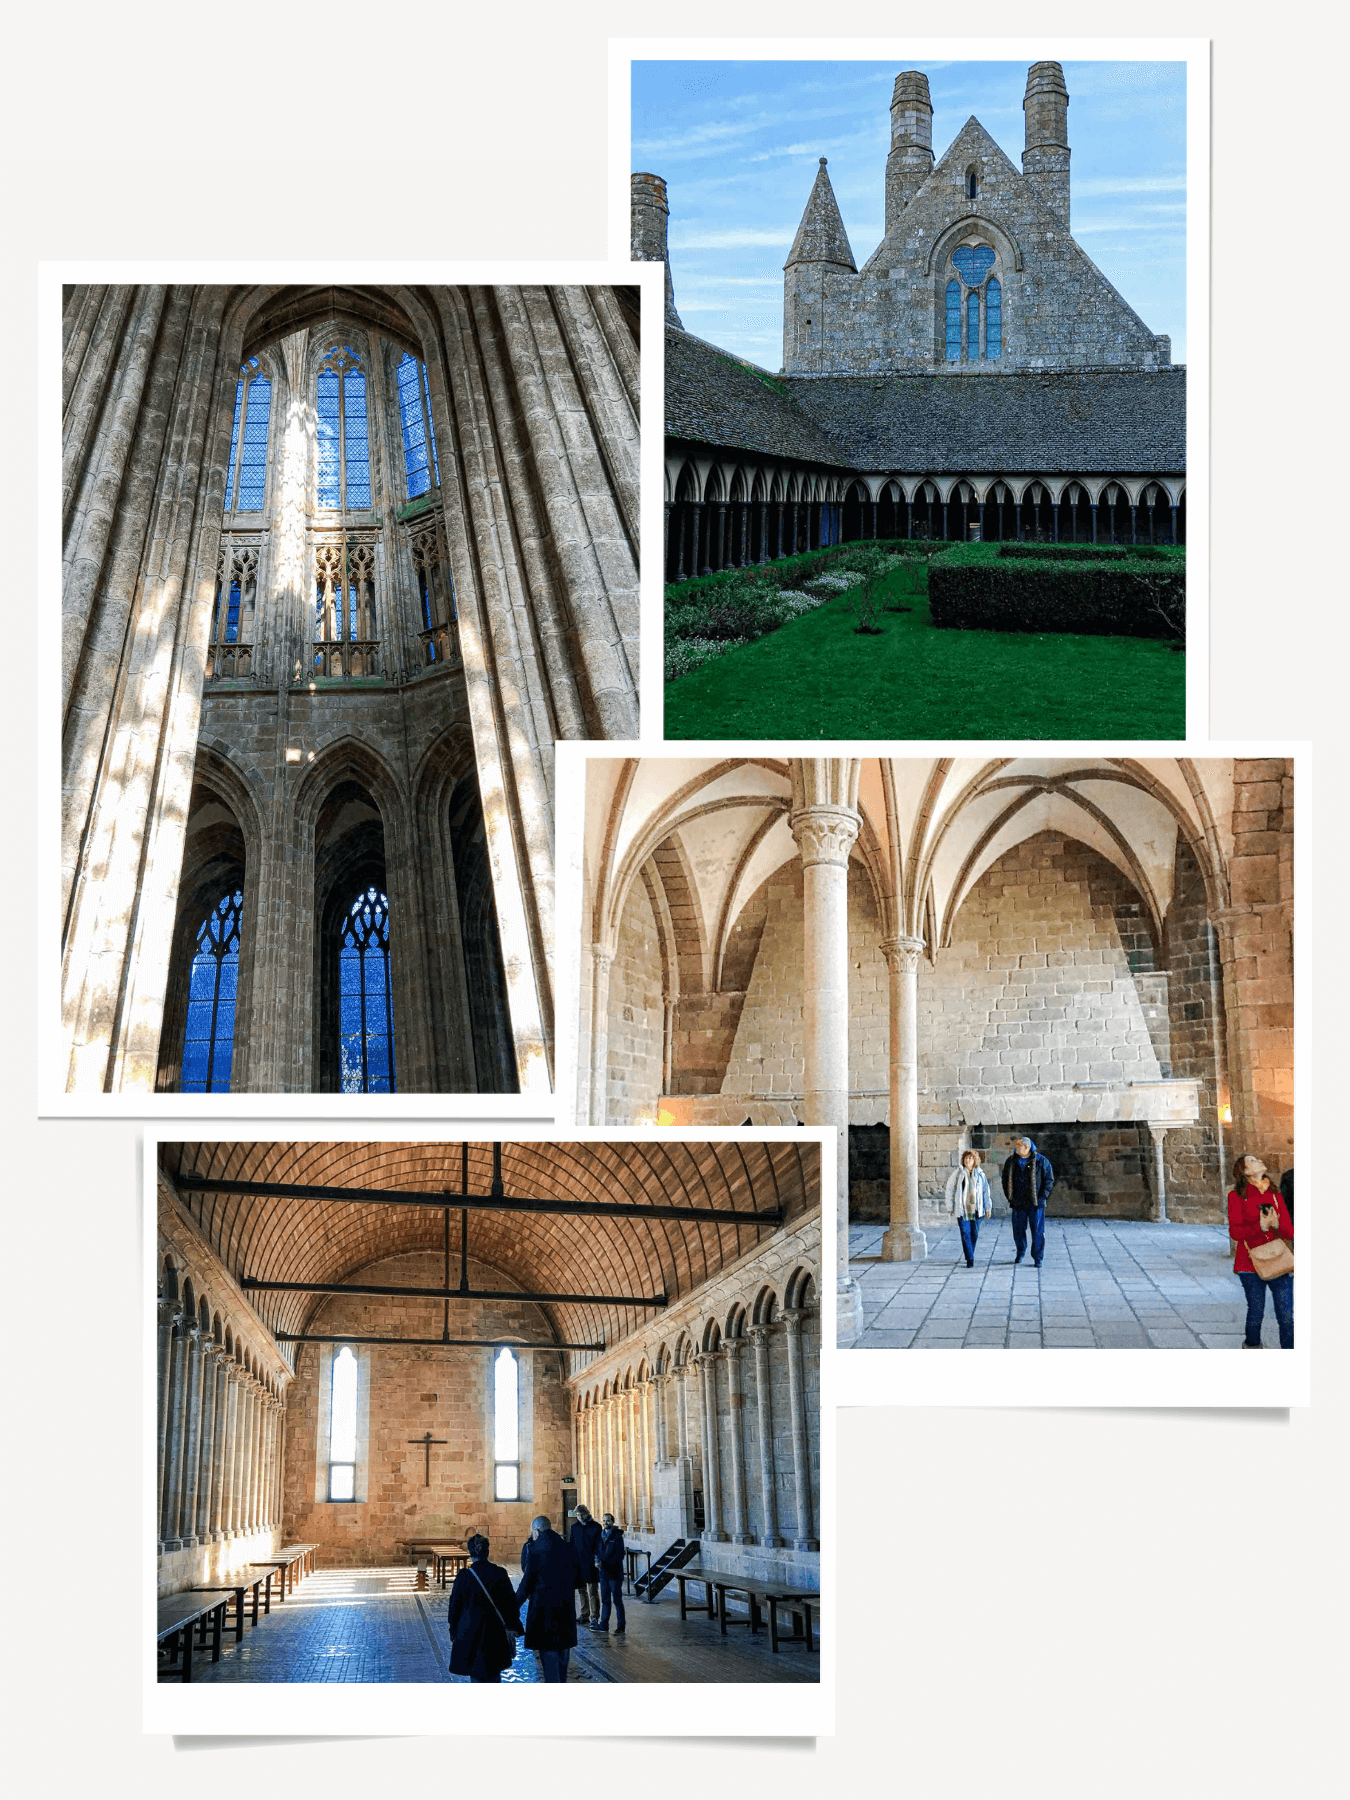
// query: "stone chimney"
[[911, 159], [1045, 160], [651, 213]]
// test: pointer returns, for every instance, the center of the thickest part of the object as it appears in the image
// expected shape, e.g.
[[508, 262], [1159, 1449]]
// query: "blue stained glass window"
[[231, 616], [234, 443], [365, 1005], [972, 262], [953, 321], [973, 326], [253, 462], [993, 320], [356, 440], [330, 492], [213, 987], [415, 447]]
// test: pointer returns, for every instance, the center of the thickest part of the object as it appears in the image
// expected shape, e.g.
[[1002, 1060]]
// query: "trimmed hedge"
[[981, 587], [1087, 552]]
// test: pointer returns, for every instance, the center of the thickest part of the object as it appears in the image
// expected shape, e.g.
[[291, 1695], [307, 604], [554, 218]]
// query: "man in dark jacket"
[[484, 1622], [1027, 1181], [550, 1623], [585, 1537], [609, 1555]]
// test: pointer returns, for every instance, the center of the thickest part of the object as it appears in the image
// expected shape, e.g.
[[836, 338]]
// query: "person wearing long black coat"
[[483, 1617], [550, 1622], [585, 1538]]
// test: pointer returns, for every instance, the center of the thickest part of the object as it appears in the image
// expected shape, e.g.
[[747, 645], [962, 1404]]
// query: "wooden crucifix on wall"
[[426, 1442]]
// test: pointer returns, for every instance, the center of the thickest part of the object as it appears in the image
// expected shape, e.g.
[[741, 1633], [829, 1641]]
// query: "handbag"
[[510, 1635], [1273, 1259]]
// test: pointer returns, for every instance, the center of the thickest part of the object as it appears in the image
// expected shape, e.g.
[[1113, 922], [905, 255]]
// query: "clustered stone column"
[[825, 827], [801, 1463], [740, 1532], [601, 958], [220, 1437], [904, 1241], [712, 1469], [768, 1493]]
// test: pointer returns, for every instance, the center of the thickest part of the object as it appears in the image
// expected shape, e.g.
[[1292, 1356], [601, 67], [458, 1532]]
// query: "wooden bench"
[[800, 1601], [304, 1554], [285, 1563], [692, 1572], [181, 1616], [238, 1589], [717, 1583]]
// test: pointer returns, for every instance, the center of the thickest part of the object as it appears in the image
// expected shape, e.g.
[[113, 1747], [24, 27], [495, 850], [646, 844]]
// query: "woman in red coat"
[[1257, 1214]]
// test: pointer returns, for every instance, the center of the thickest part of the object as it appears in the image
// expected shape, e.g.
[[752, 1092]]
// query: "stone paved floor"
[[371, 1625], [1105, 1284]]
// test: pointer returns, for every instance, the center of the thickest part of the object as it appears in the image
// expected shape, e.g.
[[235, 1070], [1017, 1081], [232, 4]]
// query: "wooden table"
[[180, 1615], [802, 1599], [692, 1572], [631, 1557], [239, 1589], [301, 1553], [284, 1563], [717, 1583], [442, 1551]]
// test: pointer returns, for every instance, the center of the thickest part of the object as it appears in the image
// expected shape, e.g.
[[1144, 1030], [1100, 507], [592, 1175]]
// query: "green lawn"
[[818, 678]]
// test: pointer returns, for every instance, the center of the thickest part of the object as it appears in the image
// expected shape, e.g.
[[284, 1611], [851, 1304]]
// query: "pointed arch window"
[[342, 1426], [973, 325], [421, 463], [993, 319], [343, 432], [366, 1012], [246, 477], [506, 1425], [953, 321], [213, 987]]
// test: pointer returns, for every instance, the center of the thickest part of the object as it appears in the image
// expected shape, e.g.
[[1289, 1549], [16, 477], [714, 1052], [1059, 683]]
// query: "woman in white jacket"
[[968, 1198]]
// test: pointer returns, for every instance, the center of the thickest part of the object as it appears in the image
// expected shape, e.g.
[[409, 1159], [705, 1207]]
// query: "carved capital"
[[902, 954], [825, 834], [792, 1317], [602, 955], [759, 1336]]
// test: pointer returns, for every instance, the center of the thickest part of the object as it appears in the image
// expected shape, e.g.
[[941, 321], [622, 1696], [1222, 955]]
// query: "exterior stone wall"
[[413, 1389]]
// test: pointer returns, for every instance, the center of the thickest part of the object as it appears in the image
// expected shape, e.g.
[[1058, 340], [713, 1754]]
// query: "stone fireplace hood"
[[1162, 1102]]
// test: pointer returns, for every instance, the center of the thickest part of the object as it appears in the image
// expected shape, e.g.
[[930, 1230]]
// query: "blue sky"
[[738, 144]]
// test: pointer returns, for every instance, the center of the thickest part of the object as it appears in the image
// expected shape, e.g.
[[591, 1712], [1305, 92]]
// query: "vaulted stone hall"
[[340, 566], [929, 954], [368, 1353]]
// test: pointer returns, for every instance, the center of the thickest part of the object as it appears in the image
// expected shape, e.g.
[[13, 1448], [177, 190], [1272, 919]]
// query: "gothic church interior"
[[340, 565], [367, 1346]]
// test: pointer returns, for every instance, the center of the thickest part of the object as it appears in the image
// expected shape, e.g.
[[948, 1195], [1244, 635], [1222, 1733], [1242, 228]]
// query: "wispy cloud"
[[1101, 187]]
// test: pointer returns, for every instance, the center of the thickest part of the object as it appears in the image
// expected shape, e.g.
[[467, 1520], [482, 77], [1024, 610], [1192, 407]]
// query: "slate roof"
[[1100, 421]]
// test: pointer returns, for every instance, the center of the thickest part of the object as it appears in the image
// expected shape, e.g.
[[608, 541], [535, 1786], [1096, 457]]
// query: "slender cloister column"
[[712, 1470], [648, 1454], [192, 1441], [249, 1466], [1159, 1135], [825, 824], [621, 1508], [660, 1382], [236, 1432], [201, 1521], [170, 1318], [173, 1474], [601, 958], [903, 1241], [227, 1432], [740, 1524], [220, 1383], [801, 1466], [768, 1492]]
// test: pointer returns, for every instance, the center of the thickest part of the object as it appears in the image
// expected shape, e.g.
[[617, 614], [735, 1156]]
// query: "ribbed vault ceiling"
[[274, 1239]]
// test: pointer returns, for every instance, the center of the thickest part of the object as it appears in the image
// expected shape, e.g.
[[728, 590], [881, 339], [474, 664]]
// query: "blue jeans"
[[1033, 1216], [970, 1236], [553, 1663], [1282, 1293], [611, 1587]]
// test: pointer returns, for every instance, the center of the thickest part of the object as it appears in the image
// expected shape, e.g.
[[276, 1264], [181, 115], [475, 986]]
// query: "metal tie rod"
[[448, 1293], [332, 1337], [601, 1209]]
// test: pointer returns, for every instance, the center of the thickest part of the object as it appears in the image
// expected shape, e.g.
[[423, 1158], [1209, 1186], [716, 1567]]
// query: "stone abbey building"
[[979, 373], [358, 1348], [926, 953], [340, 565]]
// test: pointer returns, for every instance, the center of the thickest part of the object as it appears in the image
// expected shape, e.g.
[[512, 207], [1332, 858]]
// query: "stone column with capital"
[[1159, 1135], [186, 1532], [712, 1470], [740, 1524], [825, 832], [213, 1478], [602, 956], [185, 1335], [170, 1318], [768, 1493], [236, 1377], [201, 1523], [903, 1241], [801, 1462]]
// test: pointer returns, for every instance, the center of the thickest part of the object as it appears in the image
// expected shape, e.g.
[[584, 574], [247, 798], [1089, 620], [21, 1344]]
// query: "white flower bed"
[[684, 655]]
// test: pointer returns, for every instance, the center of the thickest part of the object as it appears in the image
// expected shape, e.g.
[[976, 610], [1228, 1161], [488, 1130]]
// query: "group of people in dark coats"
[[485, 1609]]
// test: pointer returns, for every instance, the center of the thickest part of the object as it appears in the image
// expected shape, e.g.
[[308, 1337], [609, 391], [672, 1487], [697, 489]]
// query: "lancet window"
[[213, 985], [343, 432], [953, 321], [973, 264], [342, 1426], [366, 1012], [230, 651], [246, 478], [506, 1425], [421, 463]]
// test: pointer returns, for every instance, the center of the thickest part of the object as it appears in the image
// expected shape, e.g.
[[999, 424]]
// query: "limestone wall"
[[1259, 930], [636, 1015]]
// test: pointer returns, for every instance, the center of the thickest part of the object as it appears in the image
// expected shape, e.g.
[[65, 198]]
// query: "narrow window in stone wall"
[[246, 477], [993, 319], [506, 1426], [953, 321], [213, 985], [973, 326], [366, 1010], [343, 436], [342, 1430], [972, 184], [420, 461]]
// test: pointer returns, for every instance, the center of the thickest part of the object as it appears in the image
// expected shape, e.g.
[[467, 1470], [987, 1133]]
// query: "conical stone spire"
[[821, 237]]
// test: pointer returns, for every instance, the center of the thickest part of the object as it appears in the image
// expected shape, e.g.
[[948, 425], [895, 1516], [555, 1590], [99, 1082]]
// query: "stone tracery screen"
[[342, 432]]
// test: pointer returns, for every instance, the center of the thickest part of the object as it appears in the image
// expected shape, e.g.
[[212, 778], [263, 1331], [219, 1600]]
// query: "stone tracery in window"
[[230, 651], [343, 432], [420, 461], [213, 985], [974, 264], [346, 641], [246, 476], [366, 1012]]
